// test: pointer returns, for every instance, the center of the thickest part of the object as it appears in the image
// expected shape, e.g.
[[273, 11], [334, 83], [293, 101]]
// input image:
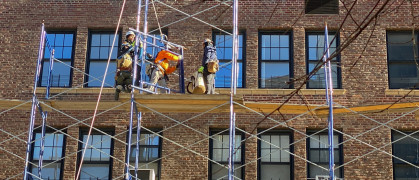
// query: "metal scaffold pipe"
[[233, 92], [329, 99], [142, 76], [33, 110], [134, 79]]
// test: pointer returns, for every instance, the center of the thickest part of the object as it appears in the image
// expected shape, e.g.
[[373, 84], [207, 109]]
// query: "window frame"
[[73, 47], [243, 60], [291, 149], [89, 49], [160, 147], [84, 131], [392, 150], [338, 59], [316, 12], [290, 61], [400, 61], [340, 150], [47, 131], [210, 153]]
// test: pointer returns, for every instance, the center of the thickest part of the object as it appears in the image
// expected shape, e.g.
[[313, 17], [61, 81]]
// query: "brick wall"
[[364, 79]]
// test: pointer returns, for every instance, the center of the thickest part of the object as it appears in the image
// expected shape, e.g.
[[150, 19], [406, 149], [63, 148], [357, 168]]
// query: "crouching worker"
[[163, 68], [123, 75]]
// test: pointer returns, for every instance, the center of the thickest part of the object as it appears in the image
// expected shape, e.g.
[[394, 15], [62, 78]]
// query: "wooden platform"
[[186, 103]]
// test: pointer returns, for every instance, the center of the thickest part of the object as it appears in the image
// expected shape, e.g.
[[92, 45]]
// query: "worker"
[[124, 67], [163, 68], [209, 65]]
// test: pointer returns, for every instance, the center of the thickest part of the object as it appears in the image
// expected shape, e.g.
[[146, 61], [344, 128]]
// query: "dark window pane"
[[274, 53], [95, 40], [97, 69], [68, 40], [60, 76], [50, 172], [284, 54], [67, 53], [266, 54], [58, 52], [228, 53], [104, 40], [266, 40], [270, 172], [51, 39], [317, 81], [223, 77], [59, 40], [400, 46], [274, 40], [405, 172], [228, 41], [322, 7], [94, 171], [403, 75], [274, 75], [104, 53], [221, 172], [94, 53]]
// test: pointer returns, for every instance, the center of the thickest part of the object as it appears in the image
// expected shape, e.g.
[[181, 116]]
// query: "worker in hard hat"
[[209, 65], [124, 67], [163, 68]]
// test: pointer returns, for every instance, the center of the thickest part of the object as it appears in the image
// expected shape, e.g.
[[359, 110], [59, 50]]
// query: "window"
[[97, 162], [274, 156], [63, 44], [219, 152], [224, 44], [322, 6], [53, 152], [402, 67], [406, 148], [315, 51], [100, 44], [149, 155], [318, 153], [275, 60]]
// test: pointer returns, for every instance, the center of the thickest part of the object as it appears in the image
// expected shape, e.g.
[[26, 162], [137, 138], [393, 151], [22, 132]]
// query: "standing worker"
[[163, 68], [209, 65], [123, 75]]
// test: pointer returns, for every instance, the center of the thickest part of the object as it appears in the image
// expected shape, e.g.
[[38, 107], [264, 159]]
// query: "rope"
[[100, 92], [157, 18]]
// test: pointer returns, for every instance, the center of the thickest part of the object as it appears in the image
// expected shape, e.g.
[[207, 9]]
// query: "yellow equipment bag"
[[125, 62], [212, 66]]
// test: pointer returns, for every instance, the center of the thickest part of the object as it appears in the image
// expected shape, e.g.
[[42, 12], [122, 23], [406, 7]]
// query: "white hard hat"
[[129, 33]]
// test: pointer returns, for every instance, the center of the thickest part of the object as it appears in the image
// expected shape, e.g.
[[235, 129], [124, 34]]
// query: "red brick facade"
[[364, 81]]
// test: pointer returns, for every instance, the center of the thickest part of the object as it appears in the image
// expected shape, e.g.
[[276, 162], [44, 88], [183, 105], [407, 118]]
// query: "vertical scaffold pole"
[[137, 144], [233, 92], [142, 77], [41, 151], [134, 79], [181, 73], [329, 98], [33, 110], [51, 65]]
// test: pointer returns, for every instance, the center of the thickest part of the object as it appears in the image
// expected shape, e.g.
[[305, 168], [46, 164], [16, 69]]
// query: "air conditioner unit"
[[144, 174], [325, 177]]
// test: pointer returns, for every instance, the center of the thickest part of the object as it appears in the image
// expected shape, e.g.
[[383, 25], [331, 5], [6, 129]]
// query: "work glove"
[[201, 69], [118, 72]]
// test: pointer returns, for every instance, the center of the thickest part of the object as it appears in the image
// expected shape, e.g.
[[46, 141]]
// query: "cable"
[[100, 92]]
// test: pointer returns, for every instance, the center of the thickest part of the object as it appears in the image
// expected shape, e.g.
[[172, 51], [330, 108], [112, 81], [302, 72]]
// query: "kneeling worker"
[[159, 74]]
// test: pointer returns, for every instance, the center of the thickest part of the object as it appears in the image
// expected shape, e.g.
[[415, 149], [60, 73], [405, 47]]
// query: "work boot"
[[117, 91]]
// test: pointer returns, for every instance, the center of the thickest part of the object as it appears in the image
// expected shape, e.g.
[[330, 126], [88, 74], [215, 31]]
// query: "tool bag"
[[212, 66]]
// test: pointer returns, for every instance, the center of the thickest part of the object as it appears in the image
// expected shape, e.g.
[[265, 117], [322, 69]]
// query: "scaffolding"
[[135, 113]]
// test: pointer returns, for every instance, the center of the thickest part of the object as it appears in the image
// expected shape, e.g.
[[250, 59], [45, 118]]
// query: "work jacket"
[[162, 60], [210, 54]]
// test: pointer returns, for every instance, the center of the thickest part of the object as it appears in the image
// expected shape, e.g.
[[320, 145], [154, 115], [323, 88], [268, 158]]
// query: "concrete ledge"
[[77, 90], [401, 92], [280, 91]]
